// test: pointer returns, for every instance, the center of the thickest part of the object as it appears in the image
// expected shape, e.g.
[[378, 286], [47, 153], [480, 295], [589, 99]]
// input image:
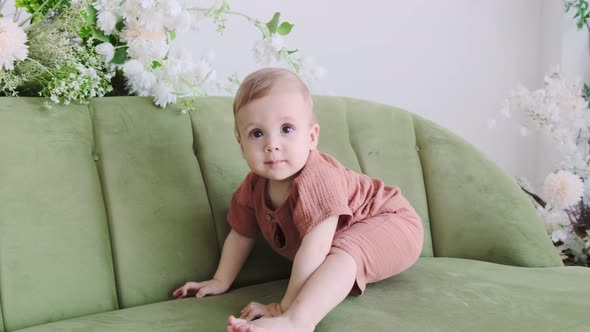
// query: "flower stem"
[[254, 21], [537, 199], [41, 65]]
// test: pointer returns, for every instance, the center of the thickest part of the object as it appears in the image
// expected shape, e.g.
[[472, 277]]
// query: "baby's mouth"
[[274, 163]]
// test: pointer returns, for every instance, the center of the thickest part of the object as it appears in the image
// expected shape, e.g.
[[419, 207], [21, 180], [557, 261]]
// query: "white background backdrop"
[[451, 61]]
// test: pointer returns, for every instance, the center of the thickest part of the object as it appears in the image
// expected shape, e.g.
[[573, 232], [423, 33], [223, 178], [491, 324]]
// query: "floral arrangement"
[[73, 50], [560, 111]]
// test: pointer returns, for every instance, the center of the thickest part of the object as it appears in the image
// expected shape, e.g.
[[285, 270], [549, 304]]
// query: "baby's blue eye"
[[256, 133], [286, 129]]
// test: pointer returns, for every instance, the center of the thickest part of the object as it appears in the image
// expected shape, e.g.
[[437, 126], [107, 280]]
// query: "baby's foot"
[[274, 324]]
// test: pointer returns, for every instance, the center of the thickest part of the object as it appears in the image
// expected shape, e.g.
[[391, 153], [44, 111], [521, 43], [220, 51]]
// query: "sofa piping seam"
[[425, 186], [352, 145], [107, 213], [205, 185]]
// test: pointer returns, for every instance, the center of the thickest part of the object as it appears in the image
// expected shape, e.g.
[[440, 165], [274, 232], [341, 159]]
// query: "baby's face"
[[276, 134]]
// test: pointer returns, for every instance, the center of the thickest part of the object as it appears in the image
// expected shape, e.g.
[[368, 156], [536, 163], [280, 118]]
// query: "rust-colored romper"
[[377, 226]]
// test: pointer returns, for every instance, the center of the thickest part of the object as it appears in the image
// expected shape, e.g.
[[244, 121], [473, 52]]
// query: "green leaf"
[[172, 35], [291, 52], [99, 35], [91, 18], [586, 92], [120, 56], [285, 28], [120, 25], [85, 32], [156, 64], [273, 23]]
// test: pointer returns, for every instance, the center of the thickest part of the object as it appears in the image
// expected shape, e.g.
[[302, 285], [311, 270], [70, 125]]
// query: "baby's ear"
[[314, 136]]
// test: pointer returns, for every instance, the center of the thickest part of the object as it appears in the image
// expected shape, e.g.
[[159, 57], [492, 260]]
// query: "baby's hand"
[[200, 289], [256, 310]]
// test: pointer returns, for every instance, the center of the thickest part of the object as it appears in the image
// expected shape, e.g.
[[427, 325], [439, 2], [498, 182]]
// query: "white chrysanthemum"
[[107, 50], [107, 21], [12, 44], [163, 94], [563, 189], [147, 50], [139, 80]]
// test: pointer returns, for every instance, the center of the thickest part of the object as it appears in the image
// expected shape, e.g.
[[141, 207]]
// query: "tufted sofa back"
[[116, 203]]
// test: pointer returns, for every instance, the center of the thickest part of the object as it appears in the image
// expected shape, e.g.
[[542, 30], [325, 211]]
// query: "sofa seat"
[[436, 294]]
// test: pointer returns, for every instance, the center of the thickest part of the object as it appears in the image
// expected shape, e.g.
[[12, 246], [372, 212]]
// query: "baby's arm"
[[236, 249], [314, 248]]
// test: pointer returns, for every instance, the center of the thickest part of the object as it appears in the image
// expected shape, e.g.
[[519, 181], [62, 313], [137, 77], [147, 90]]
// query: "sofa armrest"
[[476, 210]]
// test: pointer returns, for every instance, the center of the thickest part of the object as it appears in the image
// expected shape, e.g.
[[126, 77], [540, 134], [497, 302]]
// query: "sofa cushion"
[[436, 294], [55, 254], [159, 217]]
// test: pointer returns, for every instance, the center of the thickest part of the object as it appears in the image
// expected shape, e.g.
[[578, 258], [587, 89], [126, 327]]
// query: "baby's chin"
[[277, 176]]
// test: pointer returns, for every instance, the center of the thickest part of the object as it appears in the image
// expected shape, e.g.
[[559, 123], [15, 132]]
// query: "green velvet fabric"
[[436, 294], [1, 319], [159, 216], [55, 254], [477, 211], [114, 204]]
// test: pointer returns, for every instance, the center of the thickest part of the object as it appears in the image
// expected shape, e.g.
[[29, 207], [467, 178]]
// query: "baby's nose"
[[271, 147]]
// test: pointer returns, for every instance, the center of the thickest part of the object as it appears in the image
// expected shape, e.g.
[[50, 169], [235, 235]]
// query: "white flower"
[[147, 50], [139, 80], [563, 189], [553, 220], [106, 21], [202, 70], [107, 50], [268, 49], [163, 94], [310, 71], [559, 235], [178, 62], [12, 44]]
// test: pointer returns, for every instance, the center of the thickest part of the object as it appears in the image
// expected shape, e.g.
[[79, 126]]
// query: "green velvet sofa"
[[106, 208]]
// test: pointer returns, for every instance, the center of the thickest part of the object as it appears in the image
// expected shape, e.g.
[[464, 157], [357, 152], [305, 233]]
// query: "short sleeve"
[[321, 194], [241, 216]]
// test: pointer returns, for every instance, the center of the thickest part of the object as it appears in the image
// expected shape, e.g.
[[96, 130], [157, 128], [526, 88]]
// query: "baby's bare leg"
[[324, 289]]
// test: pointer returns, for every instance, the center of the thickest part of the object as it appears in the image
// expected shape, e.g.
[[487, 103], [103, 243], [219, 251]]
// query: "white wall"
[[452, 61]]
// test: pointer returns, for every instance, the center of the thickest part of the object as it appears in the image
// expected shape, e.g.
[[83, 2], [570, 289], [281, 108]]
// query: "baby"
[[341, 229]]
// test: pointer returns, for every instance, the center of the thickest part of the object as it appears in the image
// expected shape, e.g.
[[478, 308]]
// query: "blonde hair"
[[260, 83]]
